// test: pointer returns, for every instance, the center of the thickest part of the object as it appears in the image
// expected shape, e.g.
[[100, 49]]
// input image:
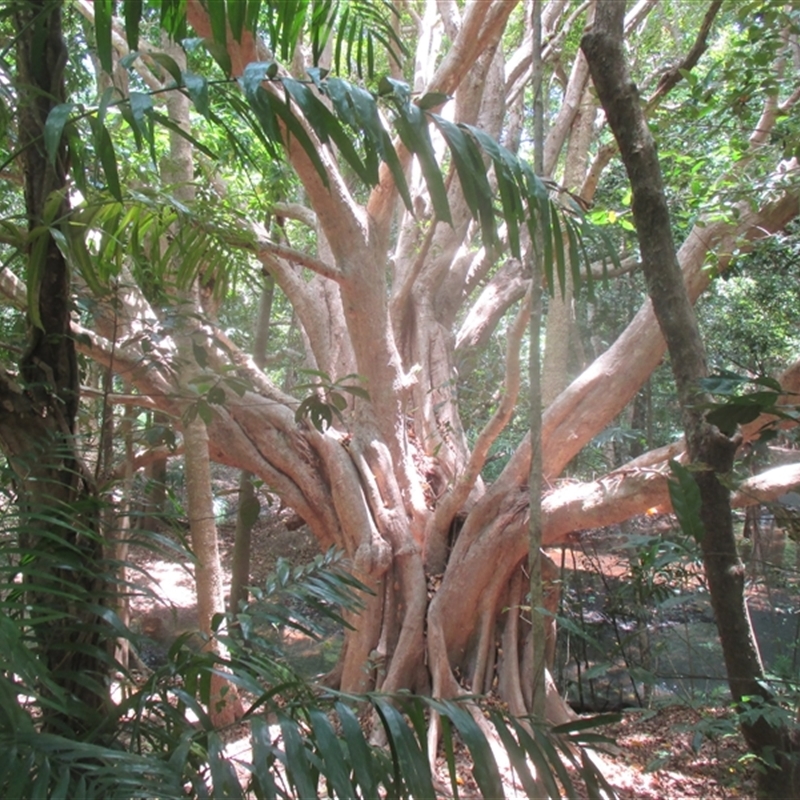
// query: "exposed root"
[[510, 683]]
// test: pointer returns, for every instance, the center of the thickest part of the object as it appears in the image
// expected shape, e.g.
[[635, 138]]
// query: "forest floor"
[[670, 751]]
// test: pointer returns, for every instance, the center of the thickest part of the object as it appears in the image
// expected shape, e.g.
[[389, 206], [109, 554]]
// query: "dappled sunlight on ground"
[[171, 584]]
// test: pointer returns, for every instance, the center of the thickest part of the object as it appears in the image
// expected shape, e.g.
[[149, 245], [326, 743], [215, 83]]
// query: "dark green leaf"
[[337, 401], [219, 23], [224, 782], [54, 127], [108, 159], [544, 771], [196, 143], [219, 51], [729, 416], [205, 412], [516, 756], [200, 354], [392, 160], [141, 104], [362, 760], [460, 150], [356, 391], [558, 241], [769, 382], [412, 761], [295, 129], [449, 752], [103, 13], [216, 396], [413, 131], [326, 126], [432, 100], [169, 64], [251, 80], [237, 13], [263, 757], [686, 503], [132, 10], [484, 767], [82, 258], [399, 90], [546, 745], [237, 385], [297, 763], [331, 752], [724, 383]]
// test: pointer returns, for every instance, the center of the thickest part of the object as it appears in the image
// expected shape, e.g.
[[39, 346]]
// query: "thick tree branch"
[[266, 247], [12, 288], [628, 492], [297, 212], [144, 459], [449, 505]]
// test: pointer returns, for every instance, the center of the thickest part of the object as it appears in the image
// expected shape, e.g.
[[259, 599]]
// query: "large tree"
[[403, 285]]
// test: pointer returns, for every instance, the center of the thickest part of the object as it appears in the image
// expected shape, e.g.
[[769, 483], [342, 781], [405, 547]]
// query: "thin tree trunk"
[[178, 170], [248, 509], [535, 482], [202, 525], [155, 491], [708, 447]]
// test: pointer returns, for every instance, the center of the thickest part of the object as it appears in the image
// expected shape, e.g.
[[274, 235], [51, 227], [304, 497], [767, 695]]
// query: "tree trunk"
[[248, 509], [155, 489], [177, 170], [709, 448], [59, 509], [535, 480]]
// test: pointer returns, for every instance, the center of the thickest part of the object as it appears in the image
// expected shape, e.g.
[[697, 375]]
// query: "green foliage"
[[327, 399], [304, 743], [301, 597], [684, 493], [269, 111], [752, 315], [741, 407], [613, 625]]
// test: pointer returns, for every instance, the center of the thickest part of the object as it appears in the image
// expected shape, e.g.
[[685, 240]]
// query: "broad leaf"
[[410, 759], [331, 751], [297, 765], [54, 127], [686, 503], [413, 130], [484, 767], [169, 64], [108, 158], [103, 13], [132, 9], [362, 760]]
